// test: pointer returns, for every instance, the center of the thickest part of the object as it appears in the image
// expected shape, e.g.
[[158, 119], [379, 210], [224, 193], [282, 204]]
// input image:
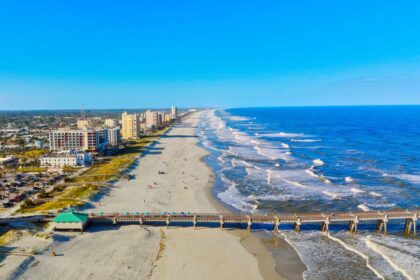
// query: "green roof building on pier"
[[70, 220]]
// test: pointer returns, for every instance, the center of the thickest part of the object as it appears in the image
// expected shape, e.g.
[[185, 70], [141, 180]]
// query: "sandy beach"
[[142, 252]]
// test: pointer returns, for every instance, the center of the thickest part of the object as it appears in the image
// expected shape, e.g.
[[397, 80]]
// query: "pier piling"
[[194, 221], [249, 223], [411, 223], [276, 224], [383, 225], [298, 225], [353, 226]]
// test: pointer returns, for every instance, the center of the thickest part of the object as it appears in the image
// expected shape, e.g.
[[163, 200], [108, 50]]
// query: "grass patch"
[[69, 197], [50, 205], [80, 192], [70, 169], [35, 169], [12, 235], [32, 154]]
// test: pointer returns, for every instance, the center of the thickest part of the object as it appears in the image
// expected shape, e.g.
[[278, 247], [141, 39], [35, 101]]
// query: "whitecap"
[[318, 162], [297, 184], [415, 179], [221, 159], [375, 194], [284, 145], [332, 195], [381, 205], [363, 207], [240, 119], [280, 134], [271, 197], [306, 140], [355, 190], [311, 172], [269, 176], [349, 179]]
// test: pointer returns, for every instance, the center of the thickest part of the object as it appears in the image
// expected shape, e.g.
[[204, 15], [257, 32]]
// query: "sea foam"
[[318, 162]]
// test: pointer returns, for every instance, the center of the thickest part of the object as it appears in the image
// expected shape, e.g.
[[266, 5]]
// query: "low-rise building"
[[70, 158]]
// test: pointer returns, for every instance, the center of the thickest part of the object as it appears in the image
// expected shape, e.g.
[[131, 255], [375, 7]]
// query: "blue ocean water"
[[319, 159]]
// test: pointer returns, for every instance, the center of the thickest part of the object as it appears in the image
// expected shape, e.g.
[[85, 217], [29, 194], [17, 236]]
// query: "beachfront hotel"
[[85, 140]]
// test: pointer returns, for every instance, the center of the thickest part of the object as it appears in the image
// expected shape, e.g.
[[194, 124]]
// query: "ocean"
[[297, 159]]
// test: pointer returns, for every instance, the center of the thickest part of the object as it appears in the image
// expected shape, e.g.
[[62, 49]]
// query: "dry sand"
[[141, 252]]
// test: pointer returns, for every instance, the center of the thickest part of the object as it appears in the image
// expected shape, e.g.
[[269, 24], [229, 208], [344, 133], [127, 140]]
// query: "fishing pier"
[[326, 220]]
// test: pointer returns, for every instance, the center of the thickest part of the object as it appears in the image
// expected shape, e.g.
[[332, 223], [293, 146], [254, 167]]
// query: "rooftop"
[[69, 216]]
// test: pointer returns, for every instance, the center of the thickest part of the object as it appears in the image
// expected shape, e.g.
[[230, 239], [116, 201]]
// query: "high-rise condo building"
[[130, 126], [153, 119]]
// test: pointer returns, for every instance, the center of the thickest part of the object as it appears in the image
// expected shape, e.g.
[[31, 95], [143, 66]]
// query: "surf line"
[[373, 246], [347, 247]]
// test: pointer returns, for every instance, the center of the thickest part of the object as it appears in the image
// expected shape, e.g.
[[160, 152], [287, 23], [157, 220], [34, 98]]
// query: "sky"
[[138, 54]]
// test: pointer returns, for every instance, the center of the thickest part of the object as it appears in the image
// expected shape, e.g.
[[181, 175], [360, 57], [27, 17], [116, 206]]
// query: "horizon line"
[[221, 107]]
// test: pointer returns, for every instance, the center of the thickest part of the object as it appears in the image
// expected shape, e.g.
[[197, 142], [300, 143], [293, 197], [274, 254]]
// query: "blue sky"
[[136, 54]]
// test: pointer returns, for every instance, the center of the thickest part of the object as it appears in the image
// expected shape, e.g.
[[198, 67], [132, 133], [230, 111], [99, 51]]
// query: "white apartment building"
[[70, 158]]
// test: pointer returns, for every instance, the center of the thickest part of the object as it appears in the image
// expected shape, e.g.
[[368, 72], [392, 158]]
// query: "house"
[[70, 220]]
